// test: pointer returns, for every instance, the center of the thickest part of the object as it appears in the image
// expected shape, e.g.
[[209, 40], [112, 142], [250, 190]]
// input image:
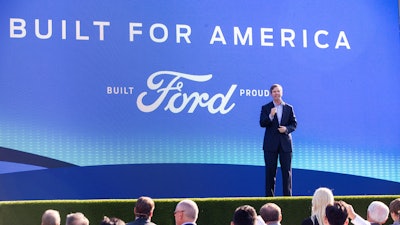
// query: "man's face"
[[276, 93], [178, 214]]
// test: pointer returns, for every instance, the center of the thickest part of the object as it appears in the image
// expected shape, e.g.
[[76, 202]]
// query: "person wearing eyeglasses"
[[377, 214], [186, 212], [143, 210]]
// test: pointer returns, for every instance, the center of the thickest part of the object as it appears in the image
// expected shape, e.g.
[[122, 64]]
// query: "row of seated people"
[[186, 213], [324, 211]]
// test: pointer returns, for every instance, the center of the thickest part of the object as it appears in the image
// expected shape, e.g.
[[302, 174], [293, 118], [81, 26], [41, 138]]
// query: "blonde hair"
[[322, 197]]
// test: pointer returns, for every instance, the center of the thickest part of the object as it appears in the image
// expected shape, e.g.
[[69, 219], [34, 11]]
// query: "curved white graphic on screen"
[[217, 103]]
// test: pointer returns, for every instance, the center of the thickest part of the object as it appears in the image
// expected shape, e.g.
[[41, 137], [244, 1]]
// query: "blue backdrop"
[[168, 94]]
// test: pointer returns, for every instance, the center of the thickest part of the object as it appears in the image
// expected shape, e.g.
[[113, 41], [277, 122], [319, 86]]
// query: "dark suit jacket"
[[272, 136], [141, 221], [310, 221]]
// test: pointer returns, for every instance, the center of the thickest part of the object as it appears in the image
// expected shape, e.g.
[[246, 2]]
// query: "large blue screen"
[[96, 90]]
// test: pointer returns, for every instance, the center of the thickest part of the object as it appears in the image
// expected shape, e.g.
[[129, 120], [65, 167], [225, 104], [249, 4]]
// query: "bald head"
[[51, 217]]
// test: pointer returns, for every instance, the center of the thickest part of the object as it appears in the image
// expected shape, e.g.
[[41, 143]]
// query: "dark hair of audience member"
[[244, 215], [336, 213], [394, 206], [144, 206]]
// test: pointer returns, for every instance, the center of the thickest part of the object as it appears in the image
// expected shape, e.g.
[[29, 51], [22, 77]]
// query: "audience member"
[[244, 215], [394, 209], [377, 213], [76, 219], [336, 214], [322, 197], [324, 211], [51, 217], [143, 210], [112, 221], [271, 214], [186, 212], [260, 221]]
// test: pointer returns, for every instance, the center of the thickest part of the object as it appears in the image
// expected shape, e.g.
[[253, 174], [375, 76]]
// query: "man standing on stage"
[[279, 121]]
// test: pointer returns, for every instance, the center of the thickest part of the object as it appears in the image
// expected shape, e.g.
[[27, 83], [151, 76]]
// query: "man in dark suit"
[[143, 210], [279, 121], [186, 212]]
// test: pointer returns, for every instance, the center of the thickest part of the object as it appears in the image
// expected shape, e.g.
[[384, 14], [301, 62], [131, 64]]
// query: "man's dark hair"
[[244, 215], [336, 214], [144, 206], [274, 86]]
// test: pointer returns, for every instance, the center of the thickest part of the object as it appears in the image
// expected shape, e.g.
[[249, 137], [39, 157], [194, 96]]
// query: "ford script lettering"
[[177, 100]]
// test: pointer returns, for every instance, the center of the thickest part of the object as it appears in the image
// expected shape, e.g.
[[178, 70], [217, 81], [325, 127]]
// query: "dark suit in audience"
[[143, 211]]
